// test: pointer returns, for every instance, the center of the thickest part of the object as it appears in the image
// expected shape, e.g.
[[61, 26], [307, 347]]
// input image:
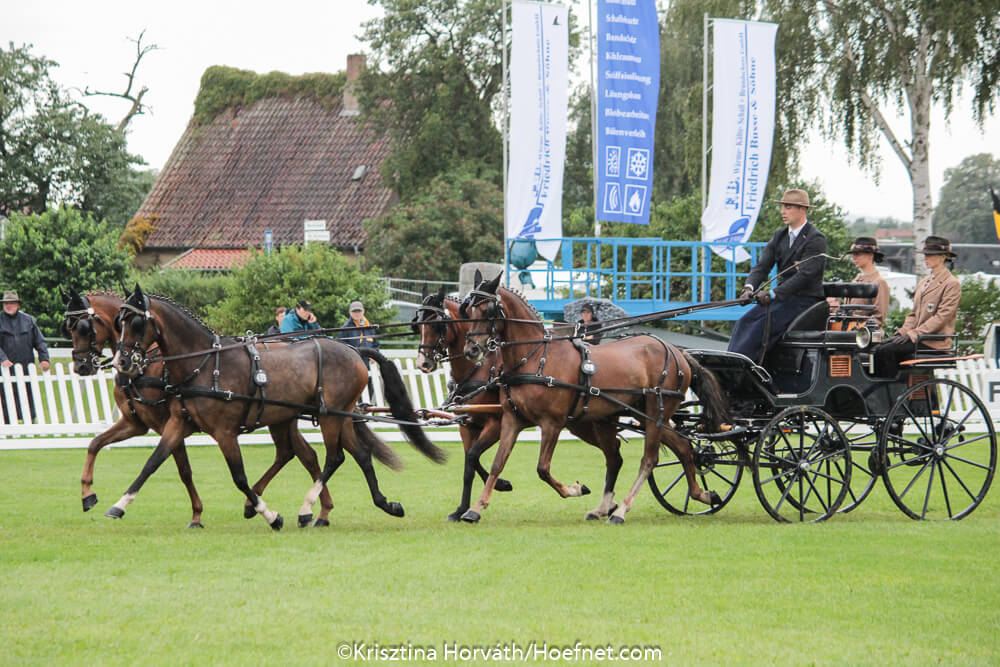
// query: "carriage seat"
[[851, 290], [809, 325]]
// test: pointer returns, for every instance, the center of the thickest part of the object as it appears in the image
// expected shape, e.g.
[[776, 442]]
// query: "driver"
[[798, 251]]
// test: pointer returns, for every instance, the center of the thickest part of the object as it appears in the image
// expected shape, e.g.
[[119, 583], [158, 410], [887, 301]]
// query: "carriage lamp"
[[862, 337]]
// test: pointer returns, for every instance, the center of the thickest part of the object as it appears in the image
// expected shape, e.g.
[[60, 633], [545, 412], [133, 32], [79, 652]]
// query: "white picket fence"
[[71, 410]]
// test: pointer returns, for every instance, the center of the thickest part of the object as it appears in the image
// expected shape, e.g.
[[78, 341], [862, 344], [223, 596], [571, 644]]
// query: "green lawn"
[[871, 587]]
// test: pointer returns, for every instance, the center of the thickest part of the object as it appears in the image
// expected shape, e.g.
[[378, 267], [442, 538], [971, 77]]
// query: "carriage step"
[[721, 435]]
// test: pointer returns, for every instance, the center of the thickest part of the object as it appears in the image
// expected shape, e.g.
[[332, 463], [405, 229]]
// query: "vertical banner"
[[743, 88], [539, 75], [628, 85]]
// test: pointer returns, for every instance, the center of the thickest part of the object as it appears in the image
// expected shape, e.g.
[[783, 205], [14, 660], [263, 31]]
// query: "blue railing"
[[641, 275]]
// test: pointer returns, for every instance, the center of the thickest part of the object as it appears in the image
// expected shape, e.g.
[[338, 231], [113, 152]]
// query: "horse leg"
[[650, 457], [184, 471], [550, 437], [331, 427], [174, 433], [605, 438], [510, 426], [474, 448], [123, 429], [307, 457], [685, 454], [282, 455], [364, 460], [230, 447]]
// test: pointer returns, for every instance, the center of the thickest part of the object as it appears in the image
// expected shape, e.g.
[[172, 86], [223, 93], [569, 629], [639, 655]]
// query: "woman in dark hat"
[[935, 310], [865, 253]]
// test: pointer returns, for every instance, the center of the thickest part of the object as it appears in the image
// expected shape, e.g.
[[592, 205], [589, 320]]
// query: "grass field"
[[871, 587]]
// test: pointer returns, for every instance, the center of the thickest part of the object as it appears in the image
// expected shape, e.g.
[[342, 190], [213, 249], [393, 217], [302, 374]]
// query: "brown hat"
[[864, 244], [937, 245], [796, 198], [10, 297]]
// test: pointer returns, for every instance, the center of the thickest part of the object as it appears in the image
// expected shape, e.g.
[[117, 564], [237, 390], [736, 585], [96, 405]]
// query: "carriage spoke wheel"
[[938, 451], [863, 441], [801, 465], [718, 466]]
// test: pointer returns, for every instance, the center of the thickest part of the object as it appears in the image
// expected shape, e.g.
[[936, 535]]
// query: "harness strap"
[[319, 379]]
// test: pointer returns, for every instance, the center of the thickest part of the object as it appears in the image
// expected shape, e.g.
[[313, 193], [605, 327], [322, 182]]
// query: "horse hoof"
[[615, 519], [713, 499], [249, 512], [456, 516], [278, 523], [584, 491], [89, 502], [320, 523], [395, 509], [114, 513], [195, 524], [471, 516], [592, 516], [305, 520], [503, 485], [613, 508]]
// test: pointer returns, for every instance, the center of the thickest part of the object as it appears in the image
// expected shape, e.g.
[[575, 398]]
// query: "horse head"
[[138, 331], [80, 326], [430, 322], [483, 304]]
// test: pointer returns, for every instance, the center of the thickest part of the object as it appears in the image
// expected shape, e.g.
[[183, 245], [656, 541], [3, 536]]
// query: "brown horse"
[[89, 323], [547, 383], [442, 338], [248, 387]]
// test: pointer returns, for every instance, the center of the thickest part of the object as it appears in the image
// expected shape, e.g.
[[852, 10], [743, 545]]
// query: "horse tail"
[[709, 391], [367, 439], [400, 405]]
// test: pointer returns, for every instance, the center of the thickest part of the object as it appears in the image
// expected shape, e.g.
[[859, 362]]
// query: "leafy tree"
[[316, 272], [435, 97], [195, 289], [53, 150], [873, 57], [965, 211], [58, 248], [980, 305], [457, 218]]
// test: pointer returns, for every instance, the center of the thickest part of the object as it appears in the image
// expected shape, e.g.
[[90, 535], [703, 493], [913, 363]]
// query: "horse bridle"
[[493, 312], [135, 351], [90, 354]]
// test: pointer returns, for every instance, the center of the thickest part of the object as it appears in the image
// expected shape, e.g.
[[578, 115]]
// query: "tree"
[[136, 108], [435, 98], [964, 212], [871, 56], [457, 218], [59, 248], [316, 272], [53, 150]]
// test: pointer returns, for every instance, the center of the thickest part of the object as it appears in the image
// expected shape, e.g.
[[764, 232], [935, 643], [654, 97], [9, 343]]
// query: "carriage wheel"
[[863, 441], [718, 466], [938, 451], [801, 465]]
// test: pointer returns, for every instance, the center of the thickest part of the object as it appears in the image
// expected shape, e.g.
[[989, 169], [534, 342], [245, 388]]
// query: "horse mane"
[[524, 302], [103, 292], [184, 310]]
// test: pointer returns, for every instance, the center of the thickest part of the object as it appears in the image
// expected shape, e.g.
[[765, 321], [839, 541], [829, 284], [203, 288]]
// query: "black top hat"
[[864, 244], [937, 245]]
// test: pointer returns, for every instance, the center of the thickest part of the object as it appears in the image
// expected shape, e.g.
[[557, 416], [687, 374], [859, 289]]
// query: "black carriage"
[[816, 428]]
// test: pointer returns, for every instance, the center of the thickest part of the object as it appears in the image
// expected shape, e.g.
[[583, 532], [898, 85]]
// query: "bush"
[[317, 272], [195, 289], [58, 249]]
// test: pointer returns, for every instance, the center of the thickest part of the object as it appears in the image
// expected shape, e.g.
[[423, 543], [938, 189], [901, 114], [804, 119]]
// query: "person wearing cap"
[[935, 311], [798, 250], [588, 322], [20, 337], [300, 319], [359, 332], [865, 253]]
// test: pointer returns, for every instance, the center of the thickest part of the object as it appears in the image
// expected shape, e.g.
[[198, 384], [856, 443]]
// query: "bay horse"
[[442, 338], [248, 387], [89, 322], [547, 382]]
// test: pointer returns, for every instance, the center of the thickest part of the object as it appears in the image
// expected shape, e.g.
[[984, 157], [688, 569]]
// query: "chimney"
[[355, 63]]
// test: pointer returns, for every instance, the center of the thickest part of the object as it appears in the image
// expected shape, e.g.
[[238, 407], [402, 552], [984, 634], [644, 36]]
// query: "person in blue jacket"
[[300, 319], [359, 332]]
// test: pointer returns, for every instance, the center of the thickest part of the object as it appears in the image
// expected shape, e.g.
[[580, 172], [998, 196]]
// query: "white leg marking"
[[311, 497], [261, 508], [125, 501]]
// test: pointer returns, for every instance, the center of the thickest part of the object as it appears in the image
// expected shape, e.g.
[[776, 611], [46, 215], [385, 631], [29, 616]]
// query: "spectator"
[[19, 338], [279, 315], [363, 334], [589, 322], [300, 319]]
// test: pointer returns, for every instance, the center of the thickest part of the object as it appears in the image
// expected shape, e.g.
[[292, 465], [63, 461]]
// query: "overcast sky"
[[90, 41]]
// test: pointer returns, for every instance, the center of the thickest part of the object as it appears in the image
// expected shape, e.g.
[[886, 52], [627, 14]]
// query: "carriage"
[[816, 428]]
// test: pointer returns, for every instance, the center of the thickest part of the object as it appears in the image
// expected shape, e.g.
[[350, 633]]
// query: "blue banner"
[[628, 84]]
